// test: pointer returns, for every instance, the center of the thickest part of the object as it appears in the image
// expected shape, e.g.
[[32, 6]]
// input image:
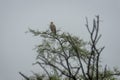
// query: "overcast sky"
[[16, 16]]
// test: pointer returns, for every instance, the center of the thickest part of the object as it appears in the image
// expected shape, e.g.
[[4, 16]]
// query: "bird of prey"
[[53, 28]]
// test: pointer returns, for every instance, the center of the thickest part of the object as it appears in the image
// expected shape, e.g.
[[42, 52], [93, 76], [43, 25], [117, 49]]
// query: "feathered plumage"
[[53, 28]]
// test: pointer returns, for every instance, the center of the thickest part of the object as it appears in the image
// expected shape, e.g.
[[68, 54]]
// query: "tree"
[[66, 57]]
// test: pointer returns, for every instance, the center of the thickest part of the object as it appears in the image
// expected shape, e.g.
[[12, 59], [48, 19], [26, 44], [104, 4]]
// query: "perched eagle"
[[53, 28]]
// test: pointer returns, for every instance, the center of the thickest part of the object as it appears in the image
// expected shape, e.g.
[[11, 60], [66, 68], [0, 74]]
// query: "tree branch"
[[78, 56], [27, 78], [66, 57]]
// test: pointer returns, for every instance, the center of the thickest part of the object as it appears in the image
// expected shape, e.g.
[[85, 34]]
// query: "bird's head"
[[51, 22]]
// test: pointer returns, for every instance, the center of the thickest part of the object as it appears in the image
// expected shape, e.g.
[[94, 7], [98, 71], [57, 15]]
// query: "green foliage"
[[54, 50], [54, 77], [51, 44]]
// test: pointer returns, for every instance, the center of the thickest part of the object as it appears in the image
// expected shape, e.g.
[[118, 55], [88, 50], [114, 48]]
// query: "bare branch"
[[27, 78], [87, 25]]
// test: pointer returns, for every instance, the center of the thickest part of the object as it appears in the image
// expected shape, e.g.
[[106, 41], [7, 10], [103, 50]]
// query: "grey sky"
[[16, 16]]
